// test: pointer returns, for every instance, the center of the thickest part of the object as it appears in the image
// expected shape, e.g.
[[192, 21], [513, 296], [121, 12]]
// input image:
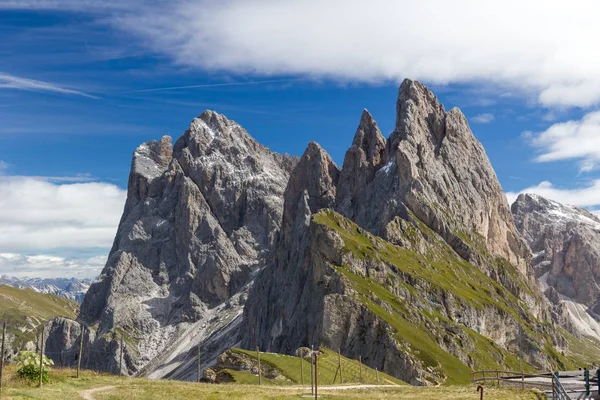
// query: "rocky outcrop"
[[428, 189], [200, 219], [565, 241], [290, 278], [234, 360]]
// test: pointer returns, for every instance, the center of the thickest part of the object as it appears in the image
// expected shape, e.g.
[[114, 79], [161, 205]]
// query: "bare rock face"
[[201, 218], [365, 157], [283, 292], [565, 241], [426, 197], [447, 180]]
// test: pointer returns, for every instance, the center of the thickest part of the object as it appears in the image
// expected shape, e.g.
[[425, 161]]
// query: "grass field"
[[64, 385], [328, 363]]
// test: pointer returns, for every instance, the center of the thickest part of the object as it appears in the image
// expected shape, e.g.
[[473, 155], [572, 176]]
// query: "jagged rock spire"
[[313, 182], [366, 155]]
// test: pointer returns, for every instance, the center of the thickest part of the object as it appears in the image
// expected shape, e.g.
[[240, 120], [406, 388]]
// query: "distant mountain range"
[[69, 288]]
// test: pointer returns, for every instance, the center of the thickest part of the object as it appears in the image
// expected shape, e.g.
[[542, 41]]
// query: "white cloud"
[[484, 118], [588, 196], [512, 43], [571, 140], [49, 266], [544, 47], [38, 214], [15, 82]]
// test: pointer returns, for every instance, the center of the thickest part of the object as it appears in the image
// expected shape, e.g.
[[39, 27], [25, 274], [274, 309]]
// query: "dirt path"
[[325, 388], [88, 394]]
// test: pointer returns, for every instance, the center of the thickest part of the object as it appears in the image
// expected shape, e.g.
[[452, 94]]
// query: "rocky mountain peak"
[[312, 184], [363, 159], [369, 140], [417, 104], [565, 241], [215, 121], [150, 160], [201, 219], [529, 205]]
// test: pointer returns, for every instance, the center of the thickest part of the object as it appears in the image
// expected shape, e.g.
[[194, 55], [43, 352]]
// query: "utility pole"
[[42, 356], [80, 350], [199, 370], [121, 358], [2, 354]]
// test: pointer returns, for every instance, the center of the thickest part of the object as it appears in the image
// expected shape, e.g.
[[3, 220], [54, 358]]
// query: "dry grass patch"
[[64, 386]]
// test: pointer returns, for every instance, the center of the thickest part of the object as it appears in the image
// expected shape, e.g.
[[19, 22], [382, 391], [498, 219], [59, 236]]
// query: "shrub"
[[30, 366]]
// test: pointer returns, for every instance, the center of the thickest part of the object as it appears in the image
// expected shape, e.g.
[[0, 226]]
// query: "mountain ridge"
[[223, 242]]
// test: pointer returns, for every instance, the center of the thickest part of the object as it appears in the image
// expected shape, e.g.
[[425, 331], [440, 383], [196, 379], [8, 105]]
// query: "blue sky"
[[84, 83]]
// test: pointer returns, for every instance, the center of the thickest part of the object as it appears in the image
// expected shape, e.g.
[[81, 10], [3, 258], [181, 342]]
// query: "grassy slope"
[[27, 309], [328, 362], [441, 271], [64, 386]]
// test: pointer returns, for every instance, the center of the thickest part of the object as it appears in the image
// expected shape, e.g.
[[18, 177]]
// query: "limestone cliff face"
[[565, 242], [427, 193], [200, 219], [447, 179], [407, 256]]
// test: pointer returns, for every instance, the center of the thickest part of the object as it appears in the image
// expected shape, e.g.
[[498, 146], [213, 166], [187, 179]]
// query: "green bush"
[[30, 366]]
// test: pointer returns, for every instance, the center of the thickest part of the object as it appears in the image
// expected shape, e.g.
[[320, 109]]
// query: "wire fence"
[[76, 351], [82, 348]]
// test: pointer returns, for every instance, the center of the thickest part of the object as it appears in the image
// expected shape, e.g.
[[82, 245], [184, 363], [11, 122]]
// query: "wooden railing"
[[513, 377]]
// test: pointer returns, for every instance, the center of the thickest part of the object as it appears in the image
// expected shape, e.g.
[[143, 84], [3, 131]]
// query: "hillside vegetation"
[[425, 331], [25, 309], [289, 367]]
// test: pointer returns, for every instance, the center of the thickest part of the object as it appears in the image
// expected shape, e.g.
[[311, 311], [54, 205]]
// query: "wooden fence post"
[[80, 350], [42, 357], [2, 354], [377, 375], [312, 370], [522, 381], [553, 387], [121, 358], [340, 364], [199, 370], [498, 377], [259, 371], [302, 366], [360, 368], [316, 375]]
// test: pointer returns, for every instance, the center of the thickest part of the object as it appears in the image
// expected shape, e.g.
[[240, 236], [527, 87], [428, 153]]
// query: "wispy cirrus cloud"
[[8, 81], [484, 118], [211, 85]]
